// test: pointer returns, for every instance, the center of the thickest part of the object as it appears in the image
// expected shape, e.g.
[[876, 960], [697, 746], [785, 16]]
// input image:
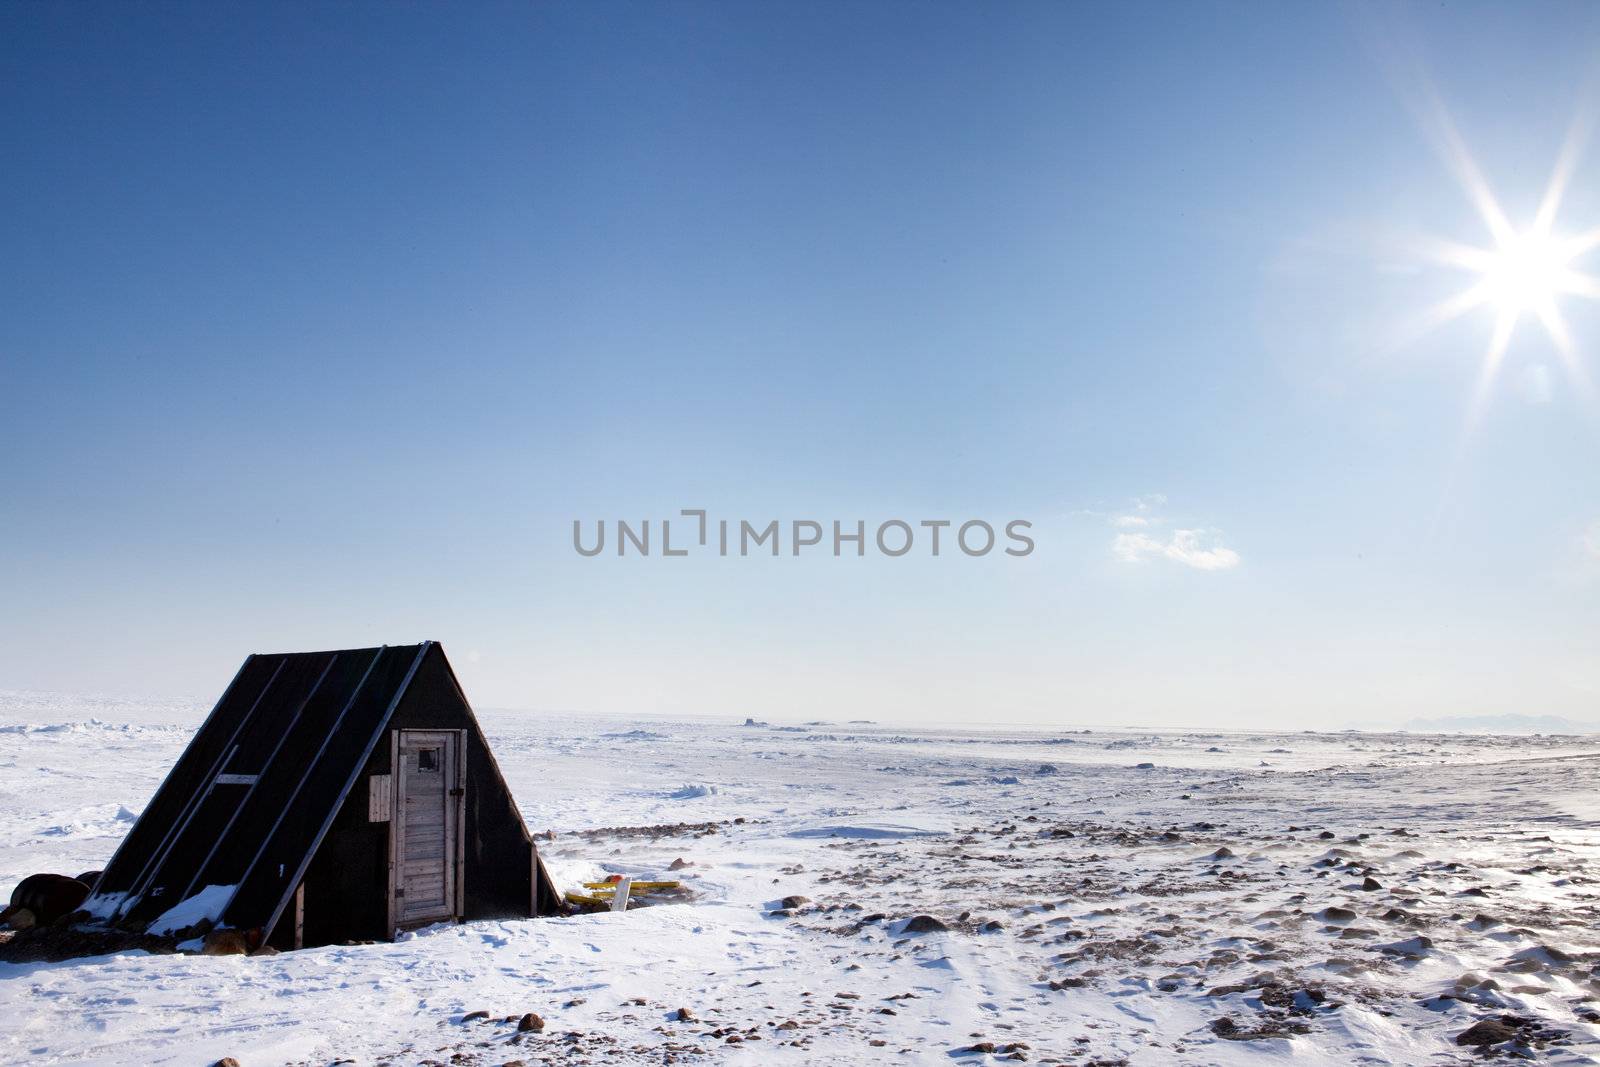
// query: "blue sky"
[[323, 324]]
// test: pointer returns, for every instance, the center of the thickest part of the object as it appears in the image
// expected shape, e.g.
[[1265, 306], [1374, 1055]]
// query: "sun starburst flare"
[[1521, 272]]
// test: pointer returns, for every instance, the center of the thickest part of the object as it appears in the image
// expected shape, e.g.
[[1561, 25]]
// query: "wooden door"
[[426, 843]]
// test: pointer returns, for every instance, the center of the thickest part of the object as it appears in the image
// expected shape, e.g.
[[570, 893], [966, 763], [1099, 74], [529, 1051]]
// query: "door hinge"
[[458, 791]]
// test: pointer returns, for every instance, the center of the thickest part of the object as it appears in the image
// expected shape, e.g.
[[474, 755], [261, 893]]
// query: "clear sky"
[[322, 323]]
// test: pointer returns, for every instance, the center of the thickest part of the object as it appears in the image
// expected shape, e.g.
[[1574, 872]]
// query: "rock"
[[685, 1015], [922, 924], [1371, 884], [679, 864], [1326, 835], [1224, 1026], [981, 1046], [791, 902], [787, 1024], [1223, 853], [1487, 1032], [474, 1016], [1047, 768], [47, 897], [530, 1023], [1413, 948], [226, 1061], [1336, 915], [1144, 766], [225, 942], [992, 926], [875, 917]]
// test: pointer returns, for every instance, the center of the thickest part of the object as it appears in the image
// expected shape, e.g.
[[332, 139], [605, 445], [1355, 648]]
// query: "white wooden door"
[[427, 811]]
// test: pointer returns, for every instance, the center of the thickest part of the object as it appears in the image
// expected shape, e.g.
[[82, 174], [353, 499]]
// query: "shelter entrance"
[[429, 807]]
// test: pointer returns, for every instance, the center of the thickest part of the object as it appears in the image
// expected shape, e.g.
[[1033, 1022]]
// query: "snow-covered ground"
[[1109, 897]]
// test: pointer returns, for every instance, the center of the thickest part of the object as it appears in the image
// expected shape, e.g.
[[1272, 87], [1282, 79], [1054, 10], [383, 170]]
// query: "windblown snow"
[[966, 896]]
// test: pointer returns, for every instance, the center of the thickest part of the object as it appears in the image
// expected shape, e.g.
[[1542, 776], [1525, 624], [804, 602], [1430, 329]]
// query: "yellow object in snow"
[[637, 886]]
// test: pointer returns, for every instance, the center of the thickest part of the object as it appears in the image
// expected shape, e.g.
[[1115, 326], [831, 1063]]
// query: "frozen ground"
[[1110, 897]]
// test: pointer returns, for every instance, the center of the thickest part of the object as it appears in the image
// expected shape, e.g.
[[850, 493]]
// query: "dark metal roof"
[[255, 792]]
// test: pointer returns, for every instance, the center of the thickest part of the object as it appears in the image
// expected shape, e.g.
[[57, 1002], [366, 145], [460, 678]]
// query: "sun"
[[1527, 273], [1523, 272]]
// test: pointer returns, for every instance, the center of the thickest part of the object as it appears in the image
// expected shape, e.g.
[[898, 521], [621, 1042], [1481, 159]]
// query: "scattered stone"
[[1488, 1032], [679, 864], [530, 1023], [1371, 884], [923, 924], [1413, 948], [685, 1015], [791, 902], [474, 1016]]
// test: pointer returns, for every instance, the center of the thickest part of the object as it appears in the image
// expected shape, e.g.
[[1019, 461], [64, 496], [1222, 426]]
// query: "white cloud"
[[1195, 548], [1184, 546]]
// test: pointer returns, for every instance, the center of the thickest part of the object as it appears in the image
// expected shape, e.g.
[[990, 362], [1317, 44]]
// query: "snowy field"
[[1108, 897]]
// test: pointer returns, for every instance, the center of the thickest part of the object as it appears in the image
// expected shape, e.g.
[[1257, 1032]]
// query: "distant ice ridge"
[[1501, 724], [103, 820], [28, 706], [86, 726]]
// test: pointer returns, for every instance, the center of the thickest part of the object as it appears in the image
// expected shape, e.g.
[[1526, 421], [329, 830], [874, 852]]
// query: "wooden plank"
[[380, 798], [619, 899], [457, 796], [417, 873], [391, 915]]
